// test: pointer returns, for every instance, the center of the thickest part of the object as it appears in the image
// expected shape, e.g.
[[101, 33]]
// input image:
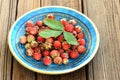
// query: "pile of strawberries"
[[54, 49]]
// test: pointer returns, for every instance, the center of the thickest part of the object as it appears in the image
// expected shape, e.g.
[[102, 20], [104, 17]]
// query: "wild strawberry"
[[51, 16], [29, 52], [69, 28], [64, 21], [78, 29], [37, 56], [30, 38], [37, 50], [49, 40], [34, 31], [80, 36], [46, 53], [28, 29], [60, 51], [23, 39], [47, 60], [73, 22], [40, 39], [65, 45], [34, 44], [81, 49], [54, 53], [65, 60], [39, 23], [74, 33], [47, 46], [57, 44], [74, 54], [81, 41], [29, 24], [27, 46], [64, 55], [60, 38], [68, 51], [58, 60]]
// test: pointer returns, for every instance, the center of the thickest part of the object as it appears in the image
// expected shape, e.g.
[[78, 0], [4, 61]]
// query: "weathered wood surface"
[[104, 13]]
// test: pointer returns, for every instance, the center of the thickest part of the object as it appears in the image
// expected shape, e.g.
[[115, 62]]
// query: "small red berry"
[[30, 38], [34, 44], [30, 24], [64, 55], [28, 29], [64, 21], [80, 36], [54, 53], [73, 22], [23, 39], [81, 41], [65, 45], [37, 50], [29, 52], [50, 40], [27, 46], [37, 56], [39, 23], [74, 54], [51, 16], [68, 51], [58, 60], [57, 44], [74, 33], [40, 39], [69, 28], [46, 53], [65, 61], [34, 31], [81, 49], [60, 38], [78, 29], [47, 60], [61, 51]]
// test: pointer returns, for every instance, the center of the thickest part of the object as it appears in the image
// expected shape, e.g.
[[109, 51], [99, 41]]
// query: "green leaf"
[[54, 24], [69, 37], [50, 33]]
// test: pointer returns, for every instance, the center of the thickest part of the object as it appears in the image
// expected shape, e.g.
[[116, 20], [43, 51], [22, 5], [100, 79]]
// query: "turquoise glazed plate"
[[18, 50]]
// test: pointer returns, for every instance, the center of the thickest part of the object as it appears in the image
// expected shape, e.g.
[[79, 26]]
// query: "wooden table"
[[104, 13]]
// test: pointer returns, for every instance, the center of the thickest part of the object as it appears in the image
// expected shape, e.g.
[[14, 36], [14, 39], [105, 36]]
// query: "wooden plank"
[[19, 72], [106, 15], [7, 17], [79, 74]]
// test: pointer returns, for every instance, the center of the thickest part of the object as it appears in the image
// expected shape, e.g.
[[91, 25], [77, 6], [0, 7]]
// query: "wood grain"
[[106, 15], [19, 72], [7, 17], [79, 74]]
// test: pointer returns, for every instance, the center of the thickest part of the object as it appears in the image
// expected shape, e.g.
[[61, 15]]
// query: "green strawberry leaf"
[[54, 24], [49, 33], [69, 37]]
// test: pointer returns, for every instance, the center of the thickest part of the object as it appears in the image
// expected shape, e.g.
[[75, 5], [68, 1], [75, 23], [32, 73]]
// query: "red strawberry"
[[74, 33], [46, 53], [64, 21], [39, 23], [37, 56], [47, 60], [36, 50], [69, 28], [30, 38], [28, 29], [60, 38], [73, 22], [78, 29], [64, 55], [54, 53], [74, 54], [34, 31], [51, 16], [30, 24], [34, 44], [50, 40], [80, 36], [40, 39], [23, 39], [29, 52], [58, 60], [65, 45], [65, 60], [57, 44], [81, 49], [81, 41], [61, 51], [27, 46], [68, 51]]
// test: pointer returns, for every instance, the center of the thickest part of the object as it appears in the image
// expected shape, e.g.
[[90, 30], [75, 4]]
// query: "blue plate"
[[18, 29]]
